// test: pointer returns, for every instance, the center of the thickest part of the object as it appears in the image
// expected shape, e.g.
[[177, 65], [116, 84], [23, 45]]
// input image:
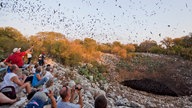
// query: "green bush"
[[96, 70], [84, 71]]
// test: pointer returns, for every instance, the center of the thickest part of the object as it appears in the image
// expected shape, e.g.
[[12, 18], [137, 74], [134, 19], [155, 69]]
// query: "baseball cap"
[[16, 49]]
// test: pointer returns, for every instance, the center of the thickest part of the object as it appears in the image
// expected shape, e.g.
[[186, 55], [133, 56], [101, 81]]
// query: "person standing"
[[42, 59], [29, 56], [17, 57]]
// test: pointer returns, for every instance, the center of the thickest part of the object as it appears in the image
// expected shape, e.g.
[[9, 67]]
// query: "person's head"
[[14, 68], [47, 69], [16, 50], [38, 69], [49, 83], [101, 102], [65, 93], [48, 65], [36, 65]]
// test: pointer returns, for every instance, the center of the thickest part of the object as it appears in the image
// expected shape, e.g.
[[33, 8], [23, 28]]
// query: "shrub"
[[96, 70]]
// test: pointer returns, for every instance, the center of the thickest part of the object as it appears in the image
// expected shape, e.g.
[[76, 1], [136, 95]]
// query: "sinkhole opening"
[[150, 86]]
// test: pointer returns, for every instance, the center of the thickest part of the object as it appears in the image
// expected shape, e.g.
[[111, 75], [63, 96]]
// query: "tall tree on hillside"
[[90, 44], [178, 41], [106, 48], [10, 38], [130, 47], [117, 44], [146, 45], [167, 42], [187, 41]]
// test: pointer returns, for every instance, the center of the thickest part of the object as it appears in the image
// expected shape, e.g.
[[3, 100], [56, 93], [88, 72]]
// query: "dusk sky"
[[127, 21]]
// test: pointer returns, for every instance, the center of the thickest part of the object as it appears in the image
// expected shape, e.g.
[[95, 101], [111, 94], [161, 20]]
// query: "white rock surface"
[[118, 96]]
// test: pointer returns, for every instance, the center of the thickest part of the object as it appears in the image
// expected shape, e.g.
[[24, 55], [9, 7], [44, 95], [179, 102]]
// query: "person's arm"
[[16, 80], [38, 76], [72, 94], [7, 62], [27, 51], [4, 99], [53, 101], [80, 102]]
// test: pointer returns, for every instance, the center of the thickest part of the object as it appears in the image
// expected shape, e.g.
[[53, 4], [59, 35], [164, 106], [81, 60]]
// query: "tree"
[[11, 38], [146, 45], [167, 42], [90, 44], [156, 49], [130, 48], [187, 41], [122, 53], [106, 48], [178, 41], [116, 44]]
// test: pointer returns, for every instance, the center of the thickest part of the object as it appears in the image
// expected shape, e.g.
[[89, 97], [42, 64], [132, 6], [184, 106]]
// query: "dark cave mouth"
[[150, 86]]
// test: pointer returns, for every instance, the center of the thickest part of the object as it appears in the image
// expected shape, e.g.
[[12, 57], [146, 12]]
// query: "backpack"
[[9, 91]]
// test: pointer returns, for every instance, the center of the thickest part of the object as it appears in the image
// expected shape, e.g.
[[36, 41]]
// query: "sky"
[[127, 21]]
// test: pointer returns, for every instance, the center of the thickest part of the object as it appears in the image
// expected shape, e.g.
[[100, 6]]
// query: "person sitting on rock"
[[48, 85], [47, 73], [49, 66], [100, 101], [37, 79], [12, 80], [67, 94], [33, 69], [40, 99], [2, 64]]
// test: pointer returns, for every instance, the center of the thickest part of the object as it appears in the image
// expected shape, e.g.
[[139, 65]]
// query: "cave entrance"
[[149, 86]]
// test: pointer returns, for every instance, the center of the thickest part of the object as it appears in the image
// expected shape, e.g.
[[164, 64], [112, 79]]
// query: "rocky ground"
[[118, 96]]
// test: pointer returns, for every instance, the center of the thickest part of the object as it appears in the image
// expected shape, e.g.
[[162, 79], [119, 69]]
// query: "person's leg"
[[43, 62], [29, 60], [27, 87], [41, 82], [29, 79], [8, 69], [39, 99], [40, 62], [5, 100]]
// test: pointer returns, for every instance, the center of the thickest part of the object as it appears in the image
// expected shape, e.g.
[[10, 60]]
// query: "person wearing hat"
[[17, 57]]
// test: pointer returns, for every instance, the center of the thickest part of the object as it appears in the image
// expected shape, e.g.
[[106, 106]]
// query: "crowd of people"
[[34, 80]]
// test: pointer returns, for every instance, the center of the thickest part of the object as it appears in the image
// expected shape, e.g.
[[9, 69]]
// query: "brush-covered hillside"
[[141, 75]]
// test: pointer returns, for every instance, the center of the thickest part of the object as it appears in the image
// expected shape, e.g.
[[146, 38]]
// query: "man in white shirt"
[[11, 79], [48, 74]]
